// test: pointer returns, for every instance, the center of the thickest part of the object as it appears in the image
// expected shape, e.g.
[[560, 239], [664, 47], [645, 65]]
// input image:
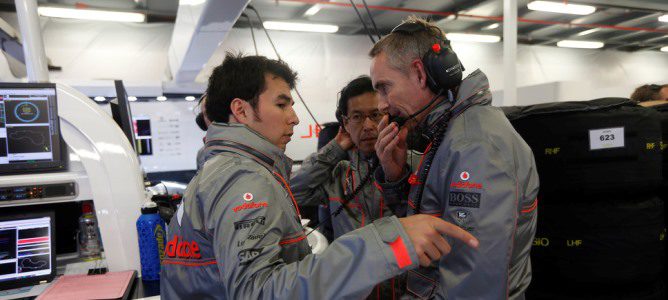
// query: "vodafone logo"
[[248, 197], [464, 176]]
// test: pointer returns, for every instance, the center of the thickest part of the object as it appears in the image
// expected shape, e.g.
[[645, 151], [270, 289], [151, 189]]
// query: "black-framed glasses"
[[358, 118]]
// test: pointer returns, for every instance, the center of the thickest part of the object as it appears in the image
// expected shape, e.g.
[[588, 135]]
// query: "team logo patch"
[[462, 199], [180, 248], [464, 219], [249, 205], [248, 197], [243, 224], [466, 185], [464, 176], [248, 255]]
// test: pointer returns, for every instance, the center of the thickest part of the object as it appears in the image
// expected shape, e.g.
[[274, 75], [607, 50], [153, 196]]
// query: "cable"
[[373, 41], [351, 196], [375, 28], [299, 95], [252, 32]]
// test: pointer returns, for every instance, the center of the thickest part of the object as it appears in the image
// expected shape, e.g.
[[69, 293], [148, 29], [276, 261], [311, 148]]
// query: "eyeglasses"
[[358, 118]]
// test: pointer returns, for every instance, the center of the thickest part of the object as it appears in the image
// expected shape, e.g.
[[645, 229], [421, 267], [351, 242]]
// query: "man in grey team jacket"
[[335, 171], [237, 234], [482, 176]]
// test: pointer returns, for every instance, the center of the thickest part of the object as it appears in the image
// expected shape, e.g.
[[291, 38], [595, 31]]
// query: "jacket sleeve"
[[477, 187], [309, 183], [250, 259]]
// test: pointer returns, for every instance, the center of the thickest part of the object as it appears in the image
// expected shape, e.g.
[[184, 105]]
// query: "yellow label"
[[159, 233], [543, 242], [573, 243]]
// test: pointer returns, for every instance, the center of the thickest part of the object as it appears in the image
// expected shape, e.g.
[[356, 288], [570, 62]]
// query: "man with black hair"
[[477, 171], [332, 174], [237, 233]]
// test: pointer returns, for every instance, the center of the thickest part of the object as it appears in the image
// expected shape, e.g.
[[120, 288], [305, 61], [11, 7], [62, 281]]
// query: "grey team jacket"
[[330, 174], [238, 235], [483, 178]]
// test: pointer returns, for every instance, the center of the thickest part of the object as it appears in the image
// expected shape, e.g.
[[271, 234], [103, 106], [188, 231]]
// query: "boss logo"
[[463, 199]]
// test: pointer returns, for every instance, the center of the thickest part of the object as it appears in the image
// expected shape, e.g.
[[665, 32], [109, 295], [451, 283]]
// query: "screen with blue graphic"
[[29, 127]]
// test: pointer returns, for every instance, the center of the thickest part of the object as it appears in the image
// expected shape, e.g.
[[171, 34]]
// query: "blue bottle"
[[152, 236]]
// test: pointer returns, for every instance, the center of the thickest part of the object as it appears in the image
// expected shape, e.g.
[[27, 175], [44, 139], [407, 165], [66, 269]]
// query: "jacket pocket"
[[419, 285]]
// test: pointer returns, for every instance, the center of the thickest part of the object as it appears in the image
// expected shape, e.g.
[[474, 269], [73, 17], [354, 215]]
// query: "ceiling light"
[[275, 25], [191, 2], [190, 98], [663, 18], [91, 14], [99, 98], [161, 98], [480, 38], [312, 10], [590, 31], [561, 7], [132, 98], [664, 49], [580, 44], [493, 26]]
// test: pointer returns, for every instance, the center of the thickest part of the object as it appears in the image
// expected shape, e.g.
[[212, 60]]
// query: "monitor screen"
[[30, 137], [27, 250], [120, 111]]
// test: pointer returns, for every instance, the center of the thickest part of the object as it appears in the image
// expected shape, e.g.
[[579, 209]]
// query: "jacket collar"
[[474, 90], [242, 134]]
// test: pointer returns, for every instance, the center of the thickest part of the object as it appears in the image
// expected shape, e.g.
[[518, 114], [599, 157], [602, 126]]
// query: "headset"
[[442, 66]]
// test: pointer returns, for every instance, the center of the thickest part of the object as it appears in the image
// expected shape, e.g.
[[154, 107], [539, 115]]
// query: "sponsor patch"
[[462, 199], [248, 255], [464, 219], [464, 176], [466, 185], [243, 224], [248, 197], [249, 205], [179, 248]]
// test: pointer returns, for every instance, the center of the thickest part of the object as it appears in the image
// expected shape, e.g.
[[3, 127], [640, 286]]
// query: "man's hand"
[[426, 232], [391, 149], [343, 139]]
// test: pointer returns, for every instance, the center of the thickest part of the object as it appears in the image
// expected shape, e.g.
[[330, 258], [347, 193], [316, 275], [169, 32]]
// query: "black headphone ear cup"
[[444, 70]]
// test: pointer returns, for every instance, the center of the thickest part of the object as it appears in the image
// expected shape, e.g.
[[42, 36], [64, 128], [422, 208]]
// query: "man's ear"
[[419, 73], [239, 110]]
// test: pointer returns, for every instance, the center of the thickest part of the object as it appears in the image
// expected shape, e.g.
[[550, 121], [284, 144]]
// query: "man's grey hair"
[[402, 48]]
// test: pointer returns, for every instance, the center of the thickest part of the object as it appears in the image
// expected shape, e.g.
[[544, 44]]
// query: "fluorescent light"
[[190, 98], [91, 14], [132, 98], [312, 10], [275, 25], [161, 98], [493, 26], [561, 7], [191, 2], [663, 18], [590, 31], [580, 44], [99, 98], [480, 38], [664, 49]]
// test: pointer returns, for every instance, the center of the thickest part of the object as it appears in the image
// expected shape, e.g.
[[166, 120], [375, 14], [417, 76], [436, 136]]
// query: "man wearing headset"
[[237, 233], [477, 171], [344, 165]]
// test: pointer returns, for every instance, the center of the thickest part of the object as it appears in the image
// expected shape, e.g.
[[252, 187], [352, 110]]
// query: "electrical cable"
[[279, 58], [368, 32], [375, 28]]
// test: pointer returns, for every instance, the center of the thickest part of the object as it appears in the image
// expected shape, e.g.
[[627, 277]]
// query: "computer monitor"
[[30, 139], [120, 111], [27, 249]]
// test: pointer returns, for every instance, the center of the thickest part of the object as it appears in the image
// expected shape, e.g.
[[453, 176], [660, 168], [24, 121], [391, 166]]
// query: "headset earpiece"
[[441, 64]]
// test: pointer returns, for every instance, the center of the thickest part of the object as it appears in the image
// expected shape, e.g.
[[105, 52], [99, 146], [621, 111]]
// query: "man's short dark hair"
[[242, 77], [358, 86], [647, 92]]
